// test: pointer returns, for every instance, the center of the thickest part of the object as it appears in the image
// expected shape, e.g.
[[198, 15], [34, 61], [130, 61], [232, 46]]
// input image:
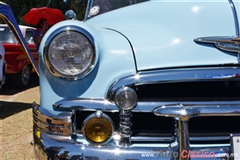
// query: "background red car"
[[19, 68]]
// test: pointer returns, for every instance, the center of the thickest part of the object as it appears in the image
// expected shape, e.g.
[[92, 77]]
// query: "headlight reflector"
[[98, 128], [70, 55]]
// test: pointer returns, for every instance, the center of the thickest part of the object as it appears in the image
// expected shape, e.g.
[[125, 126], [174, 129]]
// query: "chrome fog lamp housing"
[[70, 55], [98, 128], [126, 98]]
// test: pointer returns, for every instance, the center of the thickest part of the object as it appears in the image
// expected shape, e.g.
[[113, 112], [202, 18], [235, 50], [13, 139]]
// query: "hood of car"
[[162, 34]]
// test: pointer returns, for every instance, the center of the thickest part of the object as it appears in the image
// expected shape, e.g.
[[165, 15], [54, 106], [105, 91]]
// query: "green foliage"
[[21, 7]]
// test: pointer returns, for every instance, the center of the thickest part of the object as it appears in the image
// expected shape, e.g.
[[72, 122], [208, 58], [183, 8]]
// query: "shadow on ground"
[[9, 89], [10, 108]]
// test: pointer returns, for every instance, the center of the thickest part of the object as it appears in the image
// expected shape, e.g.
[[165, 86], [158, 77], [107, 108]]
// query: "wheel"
[[23, 77]]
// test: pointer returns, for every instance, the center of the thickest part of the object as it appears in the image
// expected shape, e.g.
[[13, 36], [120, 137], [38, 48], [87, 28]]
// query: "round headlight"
[[126, 98], [98, 128], [70, 55]]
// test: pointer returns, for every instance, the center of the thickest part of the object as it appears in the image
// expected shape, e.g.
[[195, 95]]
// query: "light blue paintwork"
[[161, 34], [114, 61]]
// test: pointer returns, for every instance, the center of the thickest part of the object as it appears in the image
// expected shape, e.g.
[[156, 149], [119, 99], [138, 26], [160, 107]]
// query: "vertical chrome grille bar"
[[183, 138]]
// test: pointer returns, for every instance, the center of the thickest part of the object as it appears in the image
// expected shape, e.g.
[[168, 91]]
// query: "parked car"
[[2, 66], [19, 66], [141, 80]]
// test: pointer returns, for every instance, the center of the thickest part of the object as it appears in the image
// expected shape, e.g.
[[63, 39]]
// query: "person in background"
[[42, 28]]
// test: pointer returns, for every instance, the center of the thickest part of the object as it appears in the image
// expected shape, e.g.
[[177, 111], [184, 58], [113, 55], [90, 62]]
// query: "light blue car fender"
[[115, 57]]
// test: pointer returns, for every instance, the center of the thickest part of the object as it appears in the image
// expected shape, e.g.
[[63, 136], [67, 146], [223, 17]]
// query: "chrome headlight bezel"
[[70, 29]]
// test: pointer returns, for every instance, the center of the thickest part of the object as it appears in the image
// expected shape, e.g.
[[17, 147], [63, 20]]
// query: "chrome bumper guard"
[[53, 139]]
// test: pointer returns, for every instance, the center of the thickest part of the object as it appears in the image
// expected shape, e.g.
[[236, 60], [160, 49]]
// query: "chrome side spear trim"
[[226, 43]]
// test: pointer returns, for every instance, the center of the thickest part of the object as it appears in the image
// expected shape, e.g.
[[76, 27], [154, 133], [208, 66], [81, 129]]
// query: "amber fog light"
[[98, 128], [126, 98]]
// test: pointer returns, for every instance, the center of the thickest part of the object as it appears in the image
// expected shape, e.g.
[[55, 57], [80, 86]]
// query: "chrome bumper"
[[64, 147], [50, 147]]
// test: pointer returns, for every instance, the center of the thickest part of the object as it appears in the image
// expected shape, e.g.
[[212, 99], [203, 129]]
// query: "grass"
[[16, 124]]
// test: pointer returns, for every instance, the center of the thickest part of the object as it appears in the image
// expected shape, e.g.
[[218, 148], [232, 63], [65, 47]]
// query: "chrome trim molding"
[[210, 138], [151, 139], [174, 75], [185, 112], [85, 104], [55, 124], [80, 104]]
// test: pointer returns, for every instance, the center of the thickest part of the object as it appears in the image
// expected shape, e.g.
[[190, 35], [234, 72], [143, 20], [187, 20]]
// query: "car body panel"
[[164, 93], [15, 56], [102, 76], [170, 43], [159, 48]]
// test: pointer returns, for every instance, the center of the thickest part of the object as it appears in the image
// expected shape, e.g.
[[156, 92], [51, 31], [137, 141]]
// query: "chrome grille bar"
[[182, 113], [175, 75], [185, 112]]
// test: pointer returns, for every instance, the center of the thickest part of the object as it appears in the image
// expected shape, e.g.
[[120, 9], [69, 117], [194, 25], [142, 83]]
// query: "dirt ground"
[[16, 121]]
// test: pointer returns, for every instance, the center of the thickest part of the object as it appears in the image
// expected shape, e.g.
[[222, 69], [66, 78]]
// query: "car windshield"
[[97, 7], [6, 35]]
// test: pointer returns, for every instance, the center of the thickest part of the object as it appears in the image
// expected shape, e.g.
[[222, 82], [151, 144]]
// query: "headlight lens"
[[98, 128], [70, 55]]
